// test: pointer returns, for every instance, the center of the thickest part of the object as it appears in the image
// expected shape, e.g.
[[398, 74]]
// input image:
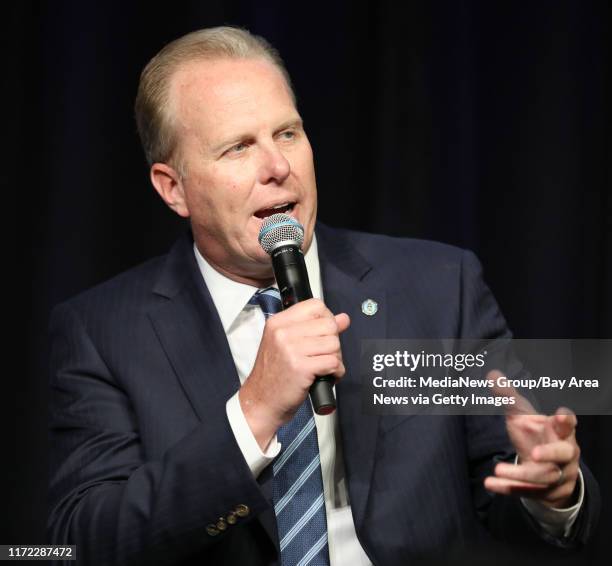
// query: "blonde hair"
[[154, 122]]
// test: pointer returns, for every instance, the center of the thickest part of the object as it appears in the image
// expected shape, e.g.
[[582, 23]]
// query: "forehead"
[[219, 97]]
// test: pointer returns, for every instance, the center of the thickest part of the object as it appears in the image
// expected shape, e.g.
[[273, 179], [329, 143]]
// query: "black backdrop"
[[481, 124]]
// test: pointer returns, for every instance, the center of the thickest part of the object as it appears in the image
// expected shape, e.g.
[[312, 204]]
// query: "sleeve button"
[[231, 518], [221, 524], [212, 530], [242, 510]]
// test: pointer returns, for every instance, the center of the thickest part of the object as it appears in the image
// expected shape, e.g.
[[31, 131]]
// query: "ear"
[[168, 184]]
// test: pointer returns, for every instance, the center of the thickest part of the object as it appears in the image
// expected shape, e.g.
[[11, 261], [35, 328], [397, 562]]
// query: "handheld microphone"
[[281, 236]]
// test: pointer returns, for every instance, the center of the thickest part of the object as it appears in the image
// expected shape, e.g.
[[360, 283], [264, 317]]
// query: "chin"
[[259, 259], [261, 271]]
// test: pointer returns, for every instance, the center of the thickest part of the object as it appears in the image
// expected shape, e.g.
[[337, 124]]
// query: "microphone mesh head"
[[280, 228]]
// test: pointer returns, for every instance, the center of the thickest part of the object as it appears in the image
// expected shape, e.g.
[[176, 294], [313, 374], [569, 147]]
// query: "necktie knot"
[[268, 300]]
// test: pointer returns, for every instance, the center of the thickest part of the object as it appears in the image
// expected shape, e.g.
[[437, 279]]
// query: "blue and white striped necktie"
[[297, 489]]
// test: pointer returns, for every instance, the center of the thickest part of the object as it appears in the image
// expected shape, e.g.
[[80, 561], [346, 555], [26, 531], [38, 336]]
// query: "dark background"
[[482, 124]]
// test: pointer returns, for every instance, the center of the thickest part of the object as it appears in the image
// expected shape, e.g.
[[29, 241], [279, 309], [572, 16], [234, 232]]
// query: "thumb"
[[564, 422], [343, 321]]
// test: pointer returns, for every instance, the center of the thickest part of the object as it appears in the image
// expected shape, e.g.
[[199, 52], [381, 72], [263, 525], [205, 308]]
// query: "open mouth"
[[284, 208]]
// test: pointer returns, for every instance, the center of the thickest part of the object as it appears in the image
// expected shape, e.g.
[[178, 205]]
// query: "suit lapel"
[[348, 280], [192, 335]]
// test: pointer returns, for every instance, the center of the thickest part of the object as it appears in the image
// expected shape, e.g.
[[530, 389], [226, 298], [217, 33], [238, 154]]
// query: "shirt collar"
[[230, 297]]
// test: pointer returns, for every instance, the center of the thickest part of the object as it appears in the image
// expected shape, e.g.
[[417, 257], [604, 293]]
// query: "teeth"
[[286, 207]]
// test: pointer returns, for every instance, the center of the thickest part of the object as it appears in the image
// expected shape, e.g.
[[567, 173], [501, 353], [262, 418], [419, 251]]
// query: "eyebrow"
[[292, 123]]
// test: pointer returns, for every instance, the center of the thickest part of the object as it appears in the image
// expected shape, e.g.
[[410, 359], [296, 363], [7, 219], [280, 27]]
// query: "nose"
[[274, 167]]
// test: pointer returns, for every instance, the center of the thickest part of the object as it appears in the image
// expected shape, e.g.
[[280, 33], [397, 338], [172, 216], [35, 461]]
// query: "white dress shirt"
[[243, 324]]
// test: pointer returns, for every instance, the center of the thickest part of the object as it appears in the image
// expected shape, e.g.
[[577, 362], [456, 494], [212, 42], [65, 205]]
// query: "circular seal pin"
[[369, 307]]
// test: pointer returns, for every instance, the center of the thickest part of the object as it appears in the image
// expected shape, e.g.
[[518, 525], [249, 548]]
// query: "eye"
[[238, 148], [287, 135]]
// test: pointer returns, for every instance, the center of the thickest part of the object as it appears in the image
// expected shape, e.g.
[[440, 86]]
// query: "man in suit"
[[181, 427]]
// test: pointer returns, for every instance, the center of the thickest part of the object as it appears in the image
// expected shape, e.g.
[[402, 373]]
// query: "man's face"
[[246, 156]]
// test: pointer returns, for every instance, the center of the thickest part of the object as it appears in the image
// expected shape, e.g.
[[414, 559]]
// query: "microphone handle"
[[292, 279]]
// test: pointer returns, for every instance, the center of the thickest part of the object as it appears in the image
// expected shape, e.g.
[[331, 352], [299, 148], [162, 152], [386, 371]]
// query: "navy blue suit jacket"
[[143, 457]]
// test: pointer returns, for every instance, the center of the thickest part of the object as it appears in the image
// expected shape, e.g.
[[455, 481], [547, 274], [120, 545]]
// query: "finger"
[[505, 486], [328, 364], [319, 345], [343, 321], [533, 425], [546, 474], [322, 326], [340, 372], [313, 327], [304, 310], [564, 422], [560, 452]]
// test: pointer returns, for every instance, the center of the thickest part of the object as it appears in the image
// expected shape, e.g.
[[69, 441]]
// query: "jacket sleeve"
[[105, 497], [506, 517]]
